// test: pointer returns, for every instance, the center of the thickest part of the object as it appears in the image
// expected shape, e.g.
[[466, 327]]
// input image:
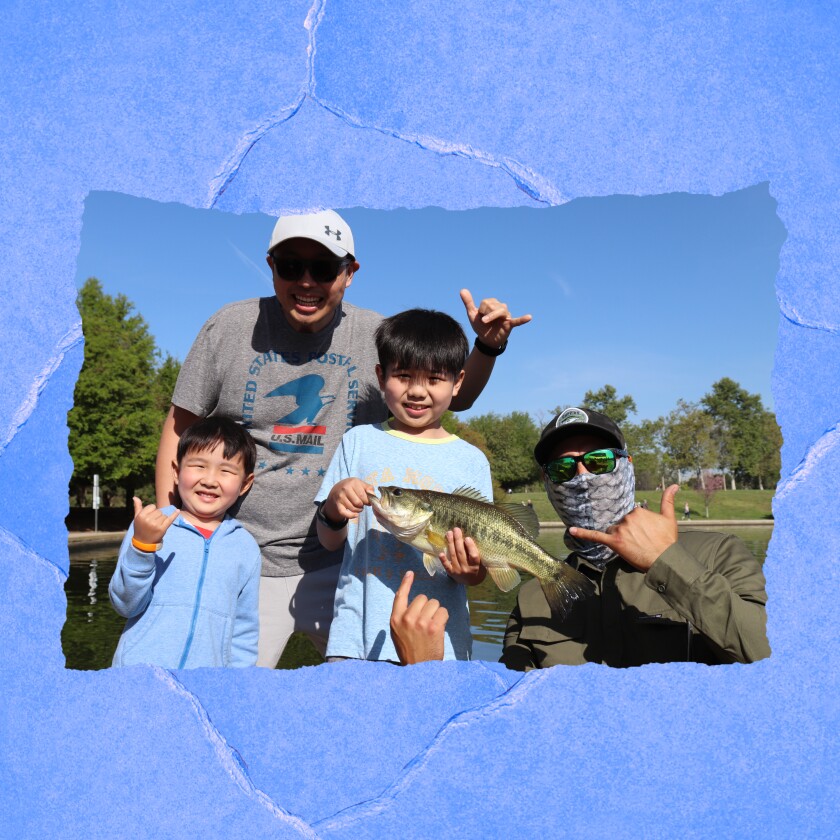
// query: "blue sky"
[[659, 296]]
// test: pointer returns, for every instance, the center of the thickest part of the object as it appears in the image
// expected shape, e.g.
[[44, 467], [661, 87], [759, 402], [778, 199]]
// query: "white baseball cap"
[[325, 227]]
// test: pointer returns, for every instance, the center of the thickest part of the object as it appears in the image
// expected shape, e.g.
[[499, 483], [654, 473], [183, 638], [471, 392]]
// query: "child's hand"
[[417, 628], [347, 499], [150, 524], [461, 559], [491, 319]]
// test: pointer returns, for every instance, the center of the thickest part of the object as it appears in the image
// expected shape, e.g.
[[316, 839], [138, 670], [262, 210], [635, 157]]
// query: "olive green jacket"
[[703, 600]]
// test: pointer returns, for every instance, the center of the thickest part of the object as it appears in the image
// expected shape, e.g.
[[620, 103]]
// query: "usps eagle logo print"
[[297, 430]]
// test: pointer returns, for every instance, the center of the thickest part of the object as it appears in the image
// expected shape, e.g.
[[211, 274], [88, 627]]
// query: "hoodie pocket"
[[156, 638]]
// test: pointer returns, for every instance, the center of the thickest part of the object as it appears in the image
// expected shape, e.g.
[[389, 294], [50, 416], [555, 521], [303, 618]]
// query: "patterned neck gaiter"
[[594, 502]]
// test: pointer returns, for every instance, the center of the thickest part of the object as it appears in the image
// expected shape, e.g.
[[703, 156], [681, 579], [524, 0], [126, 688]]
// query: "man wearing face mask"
[[660, 596]]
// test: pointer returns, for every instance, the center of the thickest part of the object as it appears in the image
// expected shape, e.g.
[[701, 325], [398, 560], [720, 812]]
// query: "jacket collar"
[[226, 526]]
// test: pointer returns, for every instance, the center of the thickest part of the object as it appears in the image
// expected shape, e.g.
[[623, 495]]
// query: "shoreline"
[[79, 539]]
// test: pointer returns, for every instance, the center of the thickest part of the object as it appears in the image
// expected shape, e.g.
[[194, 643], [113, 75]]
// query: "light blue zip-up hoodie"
[[194, 603]]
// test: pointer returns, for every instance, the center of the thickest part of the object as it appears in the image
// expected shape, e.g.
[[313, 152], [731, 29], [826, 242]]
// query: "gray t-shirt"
[[297, 393]]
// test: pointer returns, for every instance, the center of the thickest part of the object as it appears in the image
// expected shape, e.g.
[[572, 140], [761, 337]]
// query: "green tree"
[[454, 426], [689, 440], [645, 447], [114, 423], [510, 440], [769, 461], [606, 401], [739, 428], [164, 385]]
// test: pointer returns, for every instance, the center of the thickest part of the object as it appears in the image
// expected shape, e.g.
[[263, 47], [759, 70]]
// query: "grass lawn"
[[725, 504]]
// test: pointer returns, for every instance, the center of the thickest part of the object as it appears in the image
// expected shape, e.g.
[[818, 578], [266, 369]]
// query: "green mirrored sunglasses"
[[598, 462]]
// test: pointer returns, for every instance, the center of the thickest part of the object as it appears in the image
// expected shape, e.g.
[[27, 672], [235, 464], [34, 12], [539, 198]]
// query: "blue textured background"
[[267, 107]]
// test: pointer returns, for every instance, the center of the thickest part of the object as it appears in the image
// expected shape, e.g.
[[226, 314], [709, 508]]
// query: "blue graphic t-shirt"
[[374, 560], [296, 393]]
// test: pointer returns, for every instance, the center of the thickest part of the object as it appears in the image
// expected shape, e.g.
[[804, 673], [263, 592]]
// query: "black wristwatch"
[[487, 350], [333, 526]]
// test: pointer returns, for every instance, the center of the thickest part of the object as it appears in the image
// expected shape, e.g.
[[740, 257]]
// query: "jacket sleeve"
[[516, 655], [130, 588], [246, 625], [714, 582]]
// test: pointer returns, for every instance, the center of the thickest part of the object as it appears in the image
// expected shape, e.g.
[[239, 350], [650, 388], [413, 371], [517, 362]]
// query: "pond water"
[[93, 628]]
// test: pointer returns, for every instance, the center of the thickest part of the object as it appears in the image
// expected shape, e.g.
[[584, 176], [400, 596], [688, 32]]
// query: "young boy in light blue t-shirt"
[[421, 367]]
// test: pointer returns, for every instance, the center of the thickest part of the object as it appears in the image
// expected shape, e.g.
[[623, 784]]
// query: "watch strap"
[[333, 526]]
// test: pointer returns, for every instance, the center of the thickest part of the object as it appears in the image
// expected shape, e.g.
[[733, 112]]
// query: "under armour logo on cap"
[[571, 415], [335, 233]]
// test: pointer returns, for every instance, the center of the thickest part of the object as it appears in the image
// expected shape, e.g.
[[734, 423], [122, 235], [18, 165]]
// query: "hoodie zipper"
[[190, 635]]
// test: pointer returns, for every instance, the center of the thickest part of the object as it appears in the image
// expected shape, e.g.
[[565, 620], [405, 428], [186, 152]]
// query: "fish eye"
[[397, 491]]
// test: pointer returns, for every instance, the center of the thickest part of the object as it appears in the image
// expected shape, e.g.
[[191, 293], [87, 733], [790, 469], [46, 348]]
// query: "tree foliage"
[[644, 442], [739, 428], [689, 439], [510, 441], [463, 430], [769, 461], [606, 401], [165, 378], [729, 430], [118, 403]]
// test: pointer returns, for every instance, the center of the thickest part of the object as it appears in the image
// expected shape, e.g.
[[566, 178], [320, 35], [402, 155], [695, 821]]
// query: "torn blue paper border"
[[363, 104]]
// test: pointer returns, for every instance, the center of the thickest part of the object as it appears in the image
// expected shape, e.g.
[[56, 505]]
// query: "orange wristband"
[[140, 546]]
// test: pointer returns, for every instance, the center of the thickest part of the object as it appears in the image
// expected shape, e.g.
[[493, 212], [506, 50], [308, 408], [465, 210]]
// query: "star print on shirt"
[[261, 465], [322, 471], [305, 470], [289, 470]]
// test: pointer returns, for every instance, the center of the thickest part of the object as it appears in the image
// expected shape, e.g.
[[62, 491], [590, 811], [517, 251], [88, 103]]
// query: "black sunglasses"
[[320, 270], [598, 462]]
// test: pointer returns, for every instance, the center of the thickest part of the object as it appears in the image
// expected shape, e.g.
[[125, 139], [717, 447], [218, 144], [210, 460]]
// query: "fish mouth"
[[376, 502], [381, 507]]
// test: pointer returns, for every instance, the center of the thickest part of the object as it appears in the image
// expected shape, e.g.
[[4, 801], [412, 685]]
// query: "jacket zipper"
[[188, 643]]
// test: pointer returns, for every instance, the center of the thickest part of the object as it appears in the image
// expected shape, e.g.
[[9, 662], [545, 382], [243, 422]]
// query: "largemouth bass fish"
[[504, 534]]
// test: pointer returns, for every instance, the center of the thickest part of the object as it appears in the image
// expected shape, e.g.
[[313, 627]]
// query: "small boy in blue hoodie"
[[188, 580]]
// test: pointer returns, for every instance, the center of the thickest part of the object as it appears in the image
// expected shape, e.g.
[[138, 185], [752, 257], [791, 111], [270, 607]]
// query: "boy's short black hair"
[[207, 433], [424, 339]]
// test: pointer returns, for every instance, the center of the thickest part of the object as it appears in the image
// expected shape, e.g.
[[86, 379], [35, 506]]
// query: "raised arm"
[[130, 588], [176, 421], [492, 323]]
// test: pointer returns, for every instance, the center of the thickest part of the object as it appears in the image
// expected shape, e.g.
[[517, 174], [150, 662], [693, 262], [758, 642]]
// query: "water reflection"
[[92, 580], [93, 628]]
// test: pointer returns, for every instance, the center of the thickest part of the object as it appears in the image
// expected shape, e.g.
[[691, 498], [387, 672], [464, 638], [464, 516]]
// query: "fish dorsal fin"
[[524, 515], [433, 564], [471, 493], [505, 578]]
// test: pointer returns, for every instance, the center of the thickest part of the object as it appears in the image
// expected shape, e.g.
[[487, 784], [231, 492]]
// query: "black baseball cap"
[[576, 421]]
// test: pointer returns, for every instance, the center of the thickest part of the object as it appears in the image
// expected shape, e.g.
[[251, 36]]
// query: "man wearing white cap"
[[298, 370]]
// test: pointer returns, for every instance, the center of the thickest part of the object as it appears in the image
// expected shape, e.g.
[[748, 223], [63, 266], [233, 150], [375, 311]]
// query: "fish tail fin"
[[565, 586]]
